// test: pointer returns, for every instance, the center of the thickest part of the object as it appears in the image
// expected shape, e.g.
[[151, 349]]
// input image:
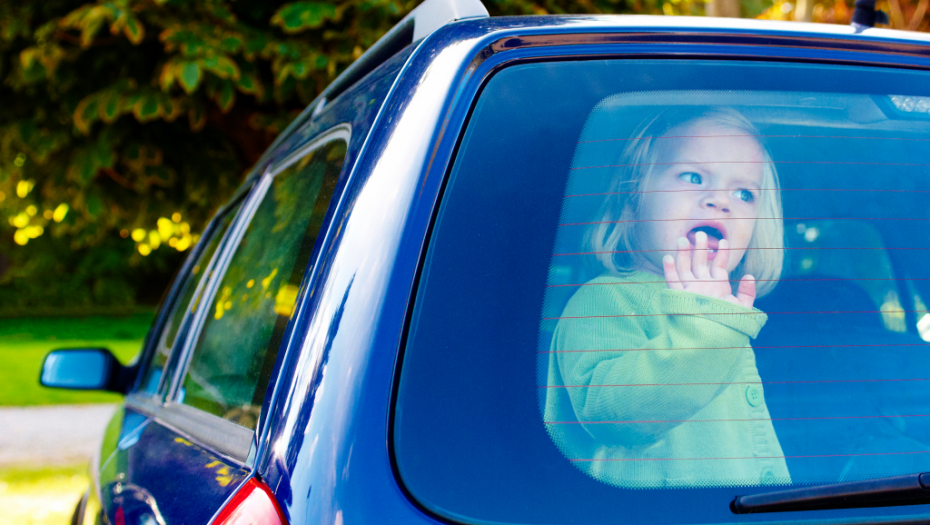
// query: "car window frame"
[[229, 439], [170, 307]]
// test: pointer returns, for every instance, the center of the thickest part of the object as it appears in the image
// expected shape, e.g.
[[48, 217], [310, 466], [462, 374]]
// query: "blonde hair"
[[613, 240]]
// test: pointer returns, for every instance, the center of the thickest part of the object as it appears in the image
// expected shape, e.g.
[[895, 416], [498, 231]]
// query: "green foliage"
[[124, 114], [24, 343]]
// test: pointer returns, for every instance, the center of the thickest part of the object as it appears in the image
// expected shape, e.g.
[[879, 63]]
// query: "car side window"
[[188, 299], [232, 360]]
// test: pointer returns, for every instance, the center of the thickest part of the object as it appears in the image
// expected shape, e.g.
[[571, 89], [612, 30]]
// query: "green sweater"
[[642, 396]]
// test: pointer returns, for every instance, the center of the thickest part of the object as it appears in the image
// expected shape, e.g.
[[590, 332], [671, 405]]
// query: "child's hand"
[[691, 273]]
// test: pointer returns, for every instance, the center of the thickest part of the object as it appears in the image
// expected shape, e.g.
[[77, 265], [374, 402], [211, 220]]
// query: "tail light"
[[254, 504]]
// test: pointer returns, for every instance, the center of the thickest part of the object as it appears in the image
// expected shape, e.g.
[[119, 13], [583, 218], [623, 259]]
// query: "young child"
[[652, 379]]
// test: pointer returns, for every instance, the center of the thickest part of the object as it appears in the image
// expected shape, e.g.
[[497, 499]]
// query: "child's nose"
[[718, 200]]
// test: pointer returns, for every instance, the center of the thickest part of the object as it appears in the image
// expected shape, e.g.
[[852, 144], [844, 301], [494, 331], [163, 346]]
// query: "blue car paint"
[[324, 445], [183, 493], [345, 443]]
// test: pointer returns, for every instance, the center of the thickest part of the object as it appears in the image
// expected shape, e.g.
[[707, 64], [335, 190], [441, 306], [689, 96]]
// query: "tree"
[[126, 123]]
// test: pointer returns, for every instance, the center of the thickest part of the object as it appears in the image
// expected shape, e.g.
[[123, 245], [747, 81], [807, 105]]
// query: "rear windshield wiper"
[[912, 489]]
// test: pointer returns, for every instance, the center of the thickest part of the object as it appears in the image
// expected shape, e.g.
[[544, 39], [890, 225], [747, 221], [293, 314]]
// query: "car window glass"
[[670, 282], [812, 253], [185, 304], [231, 362]]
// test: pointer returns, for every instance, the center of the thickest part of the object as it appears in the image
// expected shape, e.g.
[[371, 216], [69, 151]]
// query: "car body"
[[321, 438]]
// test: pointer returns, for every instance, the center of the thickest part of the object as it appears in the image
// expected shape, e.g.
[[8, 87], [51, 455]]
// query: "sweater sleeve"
[[639, 361]]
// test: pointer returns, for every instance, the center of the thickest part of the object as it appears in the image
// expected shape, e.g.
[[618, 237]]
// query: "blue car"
[[552, 270]]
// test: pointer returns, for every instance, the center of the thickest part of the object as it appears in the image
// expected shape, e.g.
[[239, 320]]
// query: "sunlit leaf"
[[91, 23], [134, 30], [86, 113], [189, 76], [298, 16], [221, 66], [167, 77]]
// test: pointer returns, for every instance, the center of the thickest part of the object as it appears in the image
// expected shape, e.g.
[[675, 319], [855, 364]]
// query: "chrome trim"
[[211, 432], [219, 266], [214, 433], [144, 404], [341, 131]]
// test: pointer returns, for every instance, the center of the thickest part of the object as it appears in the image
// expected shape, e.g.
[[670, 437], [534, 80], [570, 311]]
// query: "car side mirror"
[[84, 369]]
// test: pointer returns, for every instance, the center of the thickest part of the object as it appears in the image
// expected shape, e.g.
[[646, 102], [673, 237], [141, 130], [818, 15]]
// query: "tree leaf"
[[189, 76], [300, 69], [134, 30], [224, 67], [86, 113], [167, 77], [298, 16], [146, 108], [226, 96], [171, 109], [251, 85], [127, 101], [231, 44], [108, 107], [91, 23], [197, 117], [28, 56]]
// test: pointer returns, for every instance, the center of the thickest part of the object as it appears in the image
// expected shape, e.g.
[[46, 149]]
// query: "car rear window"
[[653, 285]]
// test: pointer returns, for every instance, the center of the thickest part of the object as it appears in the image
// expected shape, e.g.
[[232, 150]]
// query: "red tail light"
[[254, 504]]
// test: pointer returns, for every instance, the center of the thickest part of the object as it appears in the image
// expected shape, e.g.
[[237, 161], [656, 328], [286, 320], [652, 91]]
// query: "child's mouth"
[[713, 238]]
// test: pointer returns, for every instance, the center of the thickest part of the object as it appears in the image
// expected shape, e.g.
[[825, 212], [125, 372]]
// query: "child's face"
[[701, 183]]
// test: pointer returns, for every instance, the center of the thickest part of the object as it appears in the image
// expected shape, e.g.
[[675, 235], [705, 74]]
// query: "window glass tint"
[[231, 363], [642, 300], [184, 304]]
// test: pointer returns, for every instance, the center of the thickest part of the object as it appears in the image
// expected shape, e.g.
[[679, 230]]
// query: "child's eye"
[[744, 195], [691, 177]]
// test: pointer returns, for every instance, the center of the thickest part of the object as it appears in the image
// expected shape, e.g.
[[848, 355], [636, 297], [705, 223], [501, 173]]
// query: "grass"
[[40, 496], [24, 342]]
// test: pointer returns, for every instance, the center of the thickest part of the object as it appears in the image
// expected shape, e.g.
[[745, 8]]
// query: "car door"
[[186, 438]]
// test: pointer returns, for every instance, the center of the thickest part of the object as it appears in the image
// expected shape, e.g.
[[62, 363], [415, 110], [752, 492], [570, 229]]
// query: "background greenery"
[[24, 342], [125, 123]]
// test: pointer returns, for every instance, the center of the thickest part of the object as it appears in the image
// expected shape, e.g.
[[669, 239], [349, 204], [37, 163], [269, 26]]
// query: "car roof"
[[665, 23], [471, 17]]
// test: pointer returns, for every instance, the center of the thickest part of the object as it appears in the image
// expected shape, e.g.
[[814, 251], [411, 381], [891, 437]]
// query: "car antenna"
[[866, 16]]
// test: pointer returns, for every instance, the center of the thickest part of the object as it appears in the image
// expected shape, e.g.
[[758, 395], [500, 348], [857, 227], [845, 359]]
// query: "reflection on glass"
[[179, 310], [232, 361]]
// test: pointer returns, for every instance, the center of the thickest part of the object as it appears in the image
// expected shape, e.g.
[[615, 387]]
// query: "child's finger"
[[718, 268], [684, 260], [671, 275], [746, 294], [699, 260]]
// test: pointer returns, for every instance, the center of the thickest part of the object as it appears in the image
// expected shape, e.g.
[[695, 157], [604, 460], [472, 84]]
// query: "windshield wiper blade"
[[912, 489]]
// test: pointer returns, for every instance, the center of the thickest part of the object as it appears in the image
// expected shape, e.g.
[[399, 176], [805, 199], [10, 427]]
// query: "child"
[[652, 380]]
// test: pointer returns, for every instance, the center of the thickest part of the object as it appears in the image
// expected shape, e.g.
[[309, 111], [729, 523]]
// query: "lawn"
[[40, 496], [24, 342]]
